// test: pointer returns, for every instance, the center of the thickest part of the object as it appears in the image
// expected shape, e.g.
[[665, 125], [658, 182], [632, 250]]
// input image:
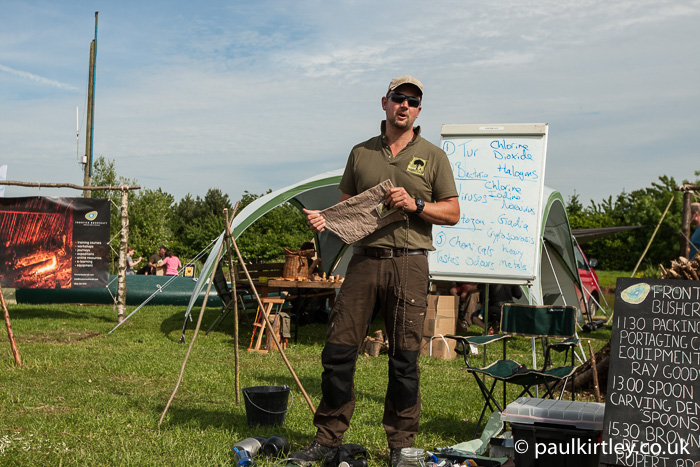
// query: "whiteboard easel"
[[499, 171]]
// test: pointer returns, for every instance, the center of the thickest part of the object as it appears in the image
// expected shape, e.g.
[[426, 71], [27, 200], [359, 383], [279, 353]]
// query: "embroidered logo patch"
[[417, 166]]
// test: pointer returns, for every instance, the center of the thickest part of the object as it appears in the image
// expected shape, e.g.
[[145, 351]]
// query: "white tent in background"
[[556, 282]]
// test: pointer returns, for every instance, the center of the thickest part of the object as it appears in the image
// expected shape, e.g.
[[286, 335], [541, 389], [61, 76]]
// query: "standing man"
[[390, 268], [156, 260]]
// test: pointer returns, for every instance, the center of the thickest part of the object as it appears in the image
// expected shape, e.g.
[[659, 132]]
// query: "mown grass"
[[608, 279], [83, 397]]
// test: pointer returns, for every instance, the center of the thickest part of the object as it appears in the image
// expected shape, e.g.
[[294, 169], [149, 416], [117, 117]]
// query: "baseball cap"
[[405, 79]]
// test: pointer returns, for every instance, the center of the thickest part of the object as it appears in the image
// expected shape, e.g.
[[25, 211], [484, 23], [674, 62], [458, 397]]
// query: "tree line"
[[643, 207], [188, 226]]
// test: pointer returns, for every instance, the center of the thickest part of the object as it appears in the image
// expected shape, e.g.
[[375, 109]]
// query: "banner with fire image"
[[54, 242]]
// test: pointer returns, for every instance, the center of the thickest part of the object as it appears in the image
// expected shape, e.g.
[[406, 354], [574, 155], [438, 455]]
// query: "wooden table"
[[302, 289], [285, 284]]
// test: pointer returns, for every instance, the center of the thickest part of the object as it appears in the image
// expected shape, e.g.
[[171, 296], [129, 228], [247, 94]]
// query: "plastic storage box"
[[555, 433]]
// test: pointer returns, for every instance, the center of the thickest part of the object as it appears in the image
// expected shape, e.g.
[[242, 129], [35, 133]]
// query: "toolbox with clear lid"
[[561, 430]]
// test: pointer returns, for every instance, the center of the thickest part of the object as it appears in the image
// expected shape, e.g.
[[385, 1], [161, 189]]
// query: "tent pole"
[[237, 376]]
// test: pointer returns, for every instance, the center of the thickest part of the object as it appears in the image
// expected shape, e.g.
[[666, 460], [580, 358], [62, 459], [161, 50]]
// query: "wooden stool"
[[268, 303]]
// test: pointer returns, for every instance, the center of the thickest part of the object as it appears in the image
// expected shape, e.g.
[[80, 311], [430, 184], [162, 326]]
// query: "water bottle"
[[412, 457], [243, 458], [252, 445]]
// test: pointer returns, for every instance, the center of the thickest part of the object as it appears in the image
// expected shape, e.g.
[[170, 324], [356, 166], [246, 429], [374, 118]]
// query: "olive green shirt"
[[421, 168]]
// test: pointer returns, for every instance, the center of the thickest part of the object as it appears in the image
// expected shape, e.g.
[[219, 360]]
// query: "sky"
[[257, 95]]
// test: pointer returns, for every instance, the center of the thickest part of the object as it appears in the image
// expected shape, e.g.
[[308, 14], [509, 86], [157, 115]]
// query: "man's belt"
[[386, 252]]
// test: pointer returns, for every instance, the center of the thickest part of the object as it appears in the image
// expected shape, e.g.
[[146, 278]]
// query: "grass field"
[[607, 279], [83, 397]]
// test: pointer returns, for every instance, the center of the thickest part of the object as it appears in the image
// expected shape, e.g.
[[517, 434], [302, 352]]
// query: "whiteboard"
[[499, 173]]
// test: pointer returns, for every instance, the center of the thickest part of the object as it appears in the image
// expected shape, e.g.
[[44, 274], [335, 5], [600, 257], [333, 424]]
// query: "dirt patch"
[[60, 336]]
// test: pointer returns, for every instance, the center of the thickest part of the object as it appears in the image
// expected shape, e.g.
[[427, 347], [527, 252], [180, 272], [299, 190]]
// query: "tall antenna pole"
[[87, 181], [77, 134]]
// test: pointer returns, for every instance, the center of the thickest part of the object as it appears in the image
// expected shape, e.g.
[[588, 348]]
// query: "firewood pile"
[[682, 269], [372, 346]]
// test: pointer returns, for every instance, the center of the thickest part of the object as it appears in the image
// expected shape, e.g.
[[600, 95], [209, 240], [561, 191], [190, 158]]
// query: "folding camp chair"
[[543, 322]]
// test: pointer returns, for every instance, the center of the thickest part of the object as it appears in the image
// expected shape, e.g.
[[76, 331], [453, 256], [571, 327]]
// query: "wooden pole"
[[89, 138], [121, 289], [194, 337], [13, 345], [236, 355], [66, 185], [685, 224], [594, 370], [652, 237], [199, 323], [271, 329]]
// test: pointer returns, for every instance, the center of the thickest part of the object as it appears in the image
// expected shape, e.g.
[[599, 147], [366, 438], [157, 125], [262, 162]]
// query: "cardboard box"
[[443, 305], [441, 315], [439, 325], [440, 318], [440, 349]]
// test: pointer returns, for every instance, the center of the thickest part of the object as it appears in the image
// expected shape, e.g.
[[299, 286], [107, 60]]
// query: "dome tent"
[[556, 283]]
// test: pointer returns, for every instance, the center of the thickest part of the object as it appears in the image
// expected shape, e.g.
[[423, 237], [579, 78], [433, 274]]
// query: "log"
[[374, 347], [583, 376]]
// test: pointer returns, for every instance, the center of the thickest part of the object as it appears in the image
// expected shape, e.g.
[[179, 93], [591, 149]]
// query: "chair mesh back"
[[221, 287], [530, 320]]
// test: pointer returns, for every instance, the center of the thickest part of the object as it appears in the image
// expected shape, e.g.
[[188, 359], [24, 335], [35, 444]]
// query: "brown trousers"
[[399, 287]]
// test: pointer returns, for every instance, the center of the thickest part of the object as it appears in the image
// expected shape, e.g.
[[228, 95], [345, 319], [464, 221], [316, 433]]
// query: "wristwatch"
[[420, 205]]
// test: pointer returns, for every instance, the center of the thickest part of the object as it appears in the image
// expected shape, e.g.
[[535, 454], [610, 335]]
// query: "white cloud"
[[38, 79], [257, 95]]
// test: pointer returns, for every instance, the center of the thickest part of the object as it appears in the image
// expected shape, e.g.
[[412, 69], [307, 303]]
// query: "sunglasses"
[[399, 98]]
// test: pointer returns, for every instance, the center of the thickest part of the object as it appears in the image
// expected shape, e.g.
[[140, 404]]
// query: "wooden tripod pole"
[[194, 337], [237, 365], [13, 345], [663, 216], [271, 329]]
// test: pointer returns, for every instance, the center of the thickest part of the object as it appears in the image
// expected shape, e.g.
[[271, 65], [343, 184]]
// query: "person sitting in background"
[[172, 263], [130, 262], [499, 294], [462, 290], [469, 305], [695, 238]]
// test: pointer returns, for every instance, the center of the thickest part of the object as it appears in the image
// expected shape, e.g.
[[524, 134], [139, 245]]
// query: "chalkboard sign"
[[652, 407], [499, 173]]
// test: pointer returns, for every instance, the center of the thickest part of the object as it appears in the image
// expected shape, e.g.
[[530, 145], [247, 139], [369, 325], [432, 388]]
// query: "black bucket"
[[266, 405]]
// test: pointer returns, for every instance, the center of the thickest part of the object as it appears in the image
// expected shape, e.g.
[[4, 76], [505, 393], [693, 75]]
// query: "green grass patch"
[[608, 279], [83, 397]]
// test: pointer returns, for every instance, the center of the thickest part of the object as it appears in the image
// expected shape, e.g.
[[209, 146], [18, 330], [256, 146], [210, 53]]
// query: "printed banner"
[[54, 242]]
